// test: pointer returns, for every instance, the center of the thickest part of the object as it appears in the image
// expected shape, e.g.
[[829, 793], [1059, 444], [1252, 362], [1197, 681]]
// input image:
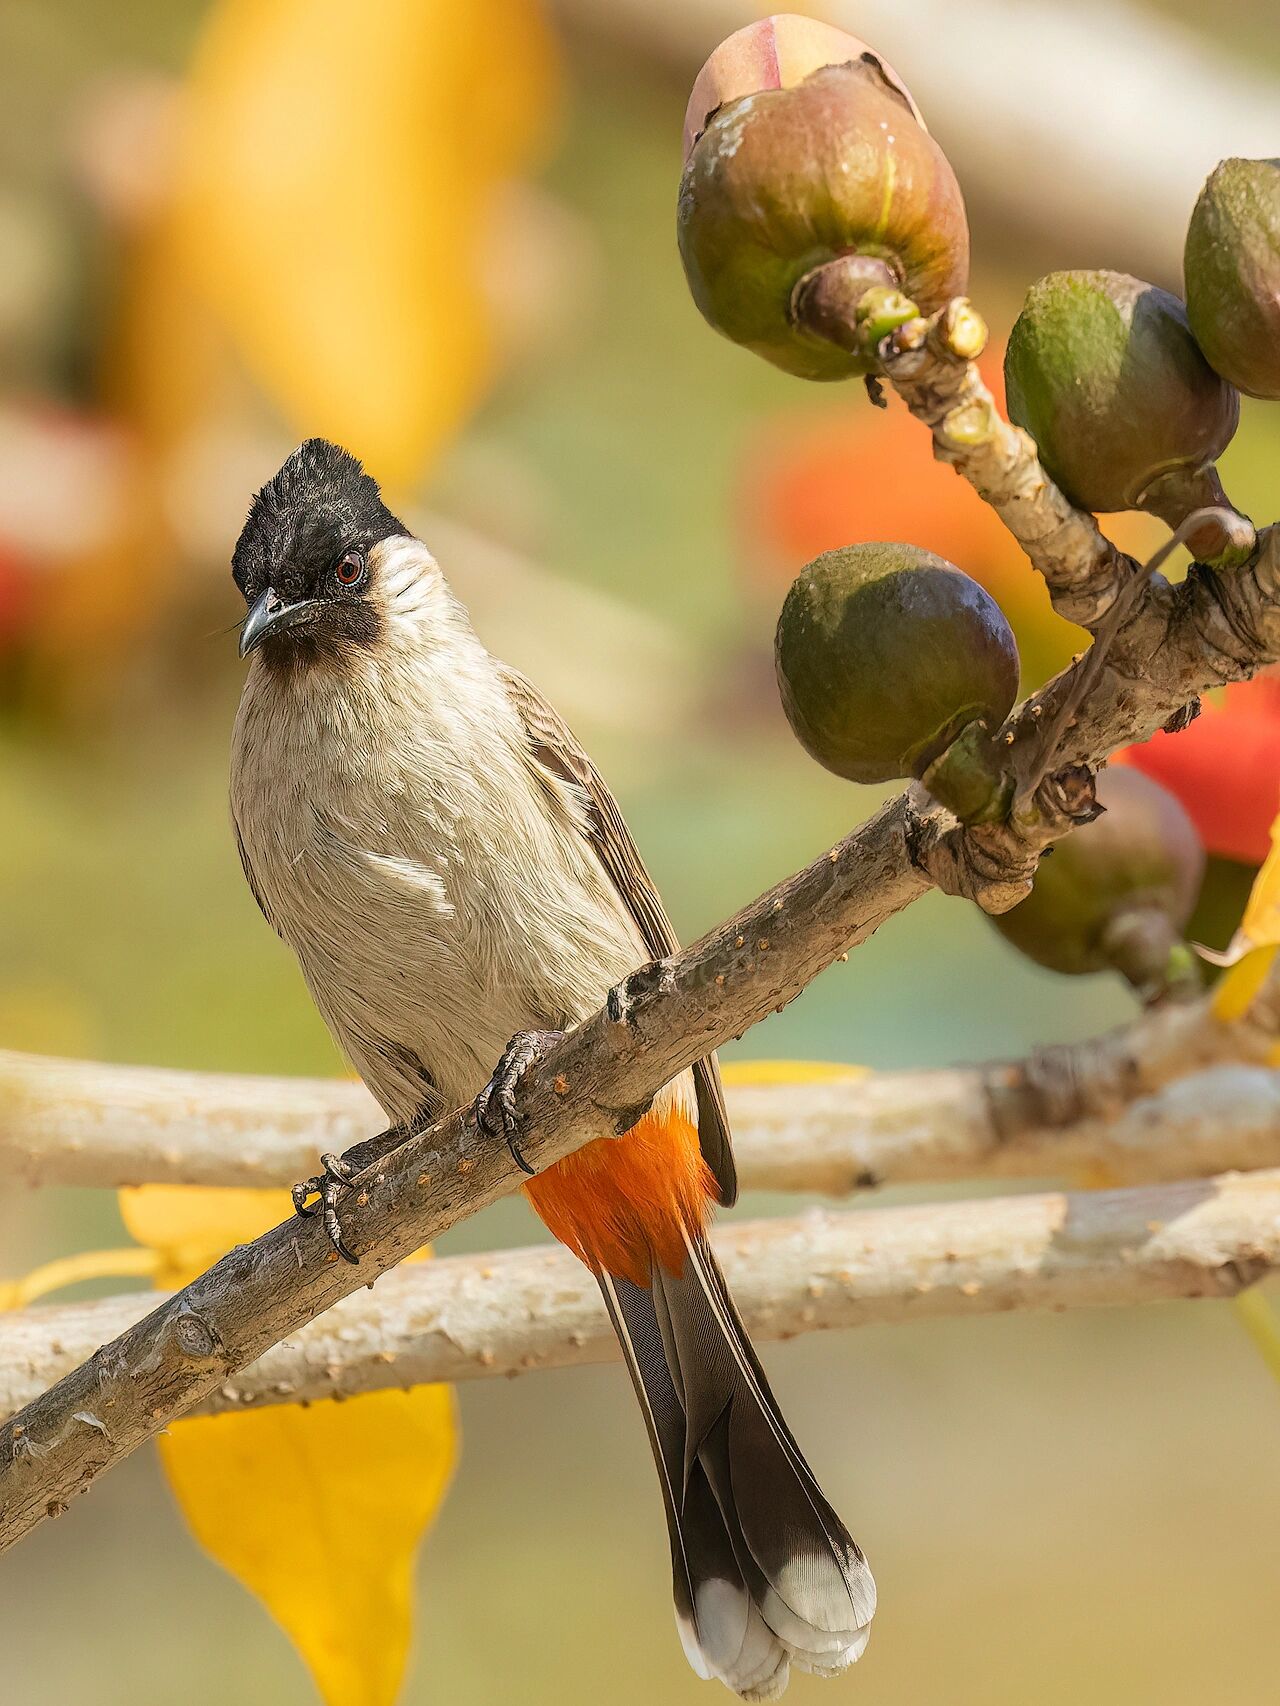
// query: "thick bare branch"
[[466, 1317], [1062, 1108]]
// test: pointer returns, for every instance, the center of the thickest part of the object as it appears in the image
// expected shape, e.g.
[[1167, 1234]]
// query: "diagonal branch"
[[469, 1317]]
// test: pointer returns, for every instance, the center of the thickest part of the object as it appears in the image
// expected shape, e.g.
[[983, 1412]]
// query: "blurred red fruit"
[[1225, 769]]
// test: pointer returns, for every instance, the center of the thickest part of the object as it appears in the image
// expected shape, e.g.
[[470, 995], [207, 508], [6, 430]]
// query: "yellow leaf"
[[1261, 921], [788, 1071], [318, 1511], [1254, 946], [71, 1270], [191, 1226], [1237, 988], [1261, 1323], [335, 201]]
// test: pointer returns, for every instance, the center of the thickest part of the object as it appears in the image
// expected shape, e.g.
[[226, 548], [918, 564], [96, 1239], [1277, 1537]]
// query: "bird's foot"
[[496, 1112], [339, 1172]]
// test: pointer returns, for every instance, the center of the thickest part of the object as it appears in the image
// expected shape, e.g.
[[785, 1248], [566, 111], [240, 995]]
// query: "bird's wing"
[[558, 754], [252, 881]]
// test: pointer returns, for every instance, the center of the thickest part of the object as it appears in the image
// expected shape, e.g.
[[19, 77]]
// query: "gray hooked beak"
[[271, 615]]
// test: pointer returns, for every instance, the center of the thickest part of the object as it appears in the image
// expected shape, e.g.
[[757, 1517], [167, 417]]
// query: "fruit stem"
[[1146, 949], [1105, 634], [853, 301], [970, 776], [1221, 536]]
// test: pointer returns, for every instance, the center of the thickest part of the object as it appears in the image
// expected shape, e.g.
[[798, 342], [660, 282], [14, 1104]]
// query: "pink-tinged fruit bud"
[[775, 53], [787, 178]]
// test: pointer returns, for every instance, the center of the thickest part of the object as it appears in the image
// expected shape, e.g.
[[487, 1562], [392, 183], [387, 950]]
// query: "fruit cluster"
[[817, 216]]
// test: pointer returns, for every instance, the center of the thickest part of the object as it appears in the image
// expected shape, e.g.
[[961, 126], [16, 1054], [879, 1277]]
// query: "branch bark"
[[1061, 1110], [469, 1317]]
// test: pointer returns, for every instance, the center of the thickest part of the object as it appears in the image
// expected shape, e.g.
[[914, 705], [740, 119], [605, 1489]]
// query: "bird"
[[459, 886]]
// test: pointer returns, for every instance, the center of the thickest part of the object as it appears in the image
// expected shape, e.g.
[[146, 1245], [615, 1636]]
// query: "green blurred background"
[[1057, 1508]]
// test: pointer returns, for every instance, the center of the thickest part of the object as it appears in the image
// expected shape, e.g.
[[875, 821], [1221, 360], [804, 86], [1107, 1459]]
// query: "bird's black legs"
[[339, 1171], [496, 1116], [496, 1113]]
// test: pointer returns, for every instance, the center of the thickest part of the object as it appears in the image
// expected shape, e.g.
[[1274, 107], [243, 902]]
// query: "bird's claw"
[[496, 1112], [328, 1188]]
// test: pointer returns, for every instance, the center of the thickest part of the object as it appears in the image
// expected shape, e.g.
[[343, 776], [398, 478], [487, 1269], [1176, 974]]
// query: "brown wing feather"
[[252, 881], [557, 751]]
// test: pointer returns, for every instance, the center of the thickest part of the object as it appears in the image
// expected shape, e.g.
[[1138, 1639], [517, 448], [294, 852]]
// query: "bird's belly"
[[425, 967]]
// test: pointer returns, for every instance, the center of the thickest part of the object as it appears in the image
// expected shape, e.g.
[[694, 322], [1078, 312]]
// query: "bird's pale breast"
[[438, 901]]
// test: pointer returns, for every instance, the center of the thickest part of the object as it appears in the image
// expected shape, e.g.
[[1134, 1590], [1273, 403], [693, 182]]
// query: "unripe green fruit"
[[787, 179], [1116, 894], [1232, 271], [1103, 372], [885, 655]]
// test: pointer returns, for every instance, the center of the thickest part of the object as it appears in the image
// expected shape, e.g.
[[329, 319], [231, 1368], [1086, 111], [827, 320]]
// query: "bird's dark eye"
[[350, 568]]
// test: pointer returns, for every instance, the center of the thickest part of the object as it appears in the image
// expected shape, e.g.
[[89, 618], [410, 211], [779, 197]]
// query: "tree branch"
[[1172, 643], [596, 1081], [1061, 1109], [467, 1317]]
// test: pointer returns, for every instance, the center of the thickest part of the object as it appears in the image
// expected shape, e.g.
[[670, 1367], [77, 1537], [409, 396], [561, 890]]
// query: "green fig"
[[1103, 372], [789, 176], [890, 660], [1231, 267], [1116, 894]]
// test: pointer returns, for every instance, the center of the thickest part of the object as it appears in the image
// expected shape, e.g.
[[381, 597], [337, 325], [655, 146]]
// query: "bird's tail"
[[765, 1574]]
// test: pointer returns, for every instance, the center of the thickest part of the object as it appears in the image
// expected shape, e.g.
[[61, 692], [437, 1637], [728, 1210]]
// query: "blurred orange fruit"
[[813, 482]]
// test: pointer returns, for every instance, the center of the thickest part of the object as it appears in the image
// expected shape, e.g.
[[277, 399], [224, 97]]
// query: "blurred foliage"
[[364, 317]]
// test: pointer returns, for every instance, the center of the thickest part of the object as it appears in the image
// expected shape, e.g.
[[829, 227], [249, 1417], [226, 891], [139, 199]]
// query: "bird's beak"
[[271, 615]]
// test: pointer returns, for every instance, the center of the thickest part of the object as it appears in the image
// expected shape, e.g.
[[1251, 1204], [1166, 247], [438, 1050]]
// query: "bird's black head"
[[305, 560]]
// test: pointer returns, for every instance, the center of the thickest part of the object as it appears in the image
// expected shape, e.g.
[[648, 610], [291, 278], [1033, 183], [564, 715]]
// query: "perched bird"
[[457, 882]]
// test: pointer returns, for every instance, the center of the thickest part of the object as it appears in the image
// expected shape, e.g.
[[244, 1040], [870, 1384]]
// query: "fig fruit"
[[1103, 372], [1116, 894], [792, 174], [1232, 271], [889, 661]]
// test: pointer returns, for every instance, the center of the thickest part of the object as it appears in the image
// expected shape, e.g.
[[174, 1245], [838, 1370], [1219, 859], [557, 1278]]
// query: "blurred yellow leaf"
[[1256, 942], [71, 1270], [1262, 1325], [1235, 993], [190, 1226], [788, 1071], [336, 193], [317, 1511], [1261, 921]]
